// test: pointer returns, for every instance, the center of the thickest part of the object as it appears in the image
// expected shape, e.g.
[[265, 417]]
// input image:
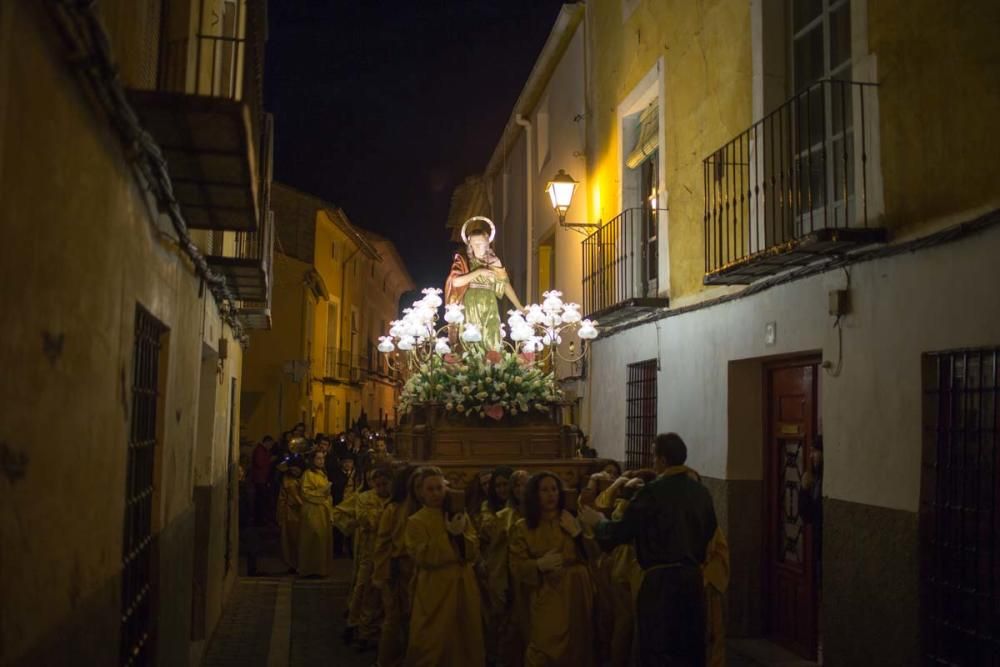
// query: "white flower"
[[571, 313], [521, 332], [533, 344], [535, 314], [588, 330], [406, 343], [472, 334], [553, 301], [551, 319], [385, 344], [441, 346], [432, 298], [396, 328], [453, 313]]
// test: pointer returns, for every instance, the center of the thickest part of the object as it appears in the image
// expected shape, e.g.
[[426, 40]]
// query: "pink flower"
[[494, 412], [450, 358], [493, 357], [526, 358]]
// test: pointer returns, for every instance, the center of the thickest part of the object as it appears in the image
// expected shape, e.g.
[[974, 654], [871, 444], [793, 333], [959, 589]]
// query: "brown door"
[[790, 599]]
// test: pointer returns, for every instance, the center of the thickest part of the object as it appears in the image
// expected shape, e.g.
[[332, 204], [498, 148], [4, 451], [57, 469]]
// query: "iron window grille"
[[138, 577], [959, 514], [641, 414]]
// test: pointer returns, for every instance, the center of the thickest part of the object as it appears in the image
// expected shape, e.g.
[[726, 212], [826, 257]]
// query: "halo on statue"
[[480, 218]]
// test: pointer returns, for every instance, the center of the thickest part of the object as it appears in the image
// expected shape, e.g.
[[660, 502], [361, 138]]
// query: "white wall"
[[567, 144], [939, 298]]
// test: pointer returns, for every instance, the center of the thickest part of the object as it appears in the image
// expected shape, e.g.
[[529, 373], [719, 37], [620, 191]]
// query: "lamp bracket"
[[585, 228]]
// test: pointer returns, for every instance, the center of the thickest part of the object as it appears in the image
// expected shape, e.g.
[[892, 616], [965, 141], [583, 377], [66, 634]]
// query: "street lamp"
[[560, 190]]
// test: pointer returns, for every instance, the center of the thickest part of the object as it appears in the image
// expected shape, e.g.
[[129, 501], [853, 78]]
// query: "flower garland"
[[492, 385]]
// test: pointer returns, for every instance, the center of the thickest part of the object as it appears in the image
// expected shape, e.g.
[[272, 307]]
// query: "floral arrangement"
[[470, 381], [492, 385]]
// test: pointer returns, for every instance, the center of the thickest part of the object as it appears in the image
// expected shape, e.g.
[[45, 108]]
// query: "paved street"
[[277, 621]]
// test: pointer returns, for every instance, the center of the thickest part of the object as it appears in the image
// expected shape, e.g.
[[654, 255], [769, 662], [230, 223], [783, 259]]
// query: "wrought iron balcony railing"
[[793, 186], [342, 366], [620, 265]]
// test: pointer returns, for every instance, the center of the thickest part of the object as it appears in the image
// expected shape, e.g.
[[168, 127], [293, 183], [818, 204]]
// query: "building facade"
[[336, 288], [797, 215], [136, 276]]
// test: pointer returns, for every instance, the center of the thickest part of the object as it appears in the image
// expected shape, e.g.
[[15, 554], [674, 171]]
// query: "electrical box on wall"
[[840, 302]]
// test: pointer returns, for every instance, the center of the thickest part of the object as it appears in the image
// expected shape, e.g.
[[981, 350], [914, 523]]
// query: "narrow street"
[[284, 620]]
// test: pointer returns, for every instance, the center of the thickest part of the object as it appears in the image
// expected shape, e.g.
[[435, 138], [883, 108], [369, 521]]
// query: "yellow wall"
[[263, 374], [705, 47], [82, 247], [939, 92], [939, 97]]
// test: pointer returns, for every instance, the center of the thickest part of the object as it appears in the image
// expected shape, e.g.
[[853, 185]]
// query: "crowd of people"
[[513, 570]]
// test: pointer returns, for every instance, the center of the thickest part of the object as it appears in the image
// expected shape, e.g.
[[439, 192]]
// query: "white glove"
[[550, 562], [456, 524], [589, 516], [569, 523]]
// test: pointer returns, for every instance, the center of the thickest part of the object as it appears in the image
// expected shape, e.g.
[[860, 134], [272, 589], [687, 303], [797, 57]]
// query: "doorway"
[[791, 555]]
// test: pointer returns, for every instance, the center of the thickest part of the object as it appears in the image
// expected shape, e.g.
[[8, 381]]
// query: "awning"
[[648, 137]]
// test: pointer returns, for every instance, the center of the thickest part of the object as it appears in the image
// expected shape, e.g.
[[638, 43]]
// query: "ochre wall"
[[705, 46], [939, 93], [82, 247], [268, 350]]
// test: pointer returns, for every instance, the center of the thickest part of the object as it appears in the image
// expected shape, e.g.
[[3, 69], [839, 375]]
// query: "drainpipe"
[[530, 214]]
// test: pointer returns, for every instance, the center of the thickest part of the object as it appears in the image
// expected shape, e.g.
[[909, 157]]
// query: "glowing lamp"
[[560, 190]]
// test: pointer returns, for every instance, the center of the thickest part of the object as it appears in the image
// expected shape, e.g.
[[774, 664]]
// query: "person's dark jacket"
[[671, 521]]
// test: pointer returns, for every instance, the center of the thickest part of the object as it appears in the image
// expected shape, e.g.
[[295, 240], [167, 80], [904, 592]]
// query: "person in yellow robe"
[[315, 532], [715, 572], [506, 594], [393, 569], [365, 606], [444, 628], [548, 555], [497, 490], [288, 514]]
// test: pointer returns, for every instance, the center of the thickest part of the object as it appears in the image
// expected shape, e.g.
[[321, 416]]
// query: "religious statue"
[[478, 281]]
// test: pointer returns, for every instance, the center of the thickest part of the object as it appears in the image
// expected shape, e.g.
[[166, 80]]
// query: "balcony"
[[206, 115], [244, 259], [342, 367], [793, 188], [620, 267]]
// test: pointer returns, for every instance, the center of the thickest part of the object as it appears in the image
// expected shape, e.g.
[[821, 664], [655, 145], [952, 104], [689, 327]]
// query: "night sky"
[[382, 108]]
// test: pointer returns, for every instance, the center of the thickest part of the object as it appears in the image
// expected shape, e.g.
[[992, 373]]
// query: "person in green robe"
[[479, 281]]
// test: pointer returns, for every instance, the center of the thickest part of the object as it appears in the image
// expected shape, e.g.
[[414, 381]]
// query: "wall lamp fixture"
[[560, 190]]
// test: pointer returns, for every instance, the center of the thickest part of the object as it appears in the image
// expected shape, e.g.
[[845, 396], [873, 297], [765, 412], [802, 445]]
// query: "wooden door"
[[790, 595]]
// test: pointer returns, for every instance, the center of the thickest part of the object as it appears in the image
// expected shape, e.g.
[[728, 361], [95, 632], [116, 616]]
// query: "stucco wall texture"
[[705, 46], [82, 247]]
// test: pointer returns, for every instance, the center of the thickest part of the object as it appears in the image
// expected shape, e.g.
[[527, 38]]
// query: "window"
[[230, 477], [332, 328], [138, 576], [640, 422], [821, 49], [643, 204], [960, 507]]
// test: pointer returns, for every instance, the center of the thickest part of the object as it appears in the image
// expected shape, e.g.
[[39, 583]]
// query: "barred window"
[[959, 513], [138, 576], [641, 414]]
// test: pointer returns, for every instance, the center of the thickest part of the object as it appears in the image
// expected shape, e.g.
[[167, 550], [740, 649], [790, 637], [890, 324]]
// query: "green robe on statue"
[[481, 300]]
